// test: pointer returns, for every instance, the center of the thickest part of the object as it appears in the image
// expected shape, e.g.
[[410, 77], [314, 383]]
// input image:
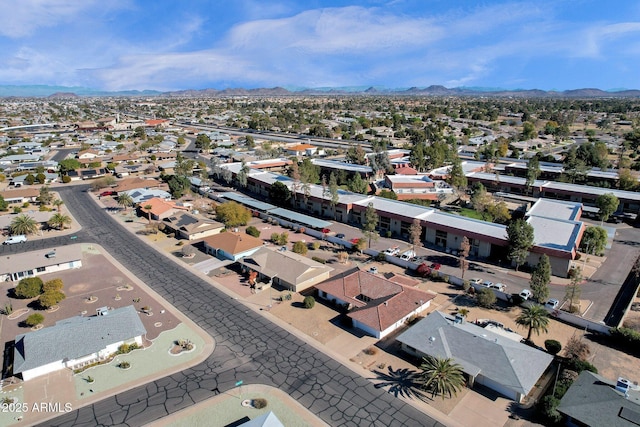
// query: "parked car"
[[326, 231], [499, 286], [408, 255], [552, 303], [373, 270], [108, 193], [18, 238], [392, 251], [475, 281], [340, 236], [526, 294]]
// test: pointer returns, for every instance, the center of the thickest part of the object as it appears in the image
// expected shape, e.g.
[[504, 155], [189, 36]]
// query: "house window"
[[441, 238], [41, 269]]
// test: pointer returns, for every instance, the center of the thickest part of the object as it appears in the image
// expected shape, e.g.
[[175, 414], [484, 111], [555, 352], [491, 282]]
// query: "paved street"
[[248, 346]]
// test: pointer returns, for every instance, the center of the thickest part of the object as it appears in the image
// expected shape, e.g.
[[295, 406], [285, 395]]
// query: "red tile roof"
[[378, 302]]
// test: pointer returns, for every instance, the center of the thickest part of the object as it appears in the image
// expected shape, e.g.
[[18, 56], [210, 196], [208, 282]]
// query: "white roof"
[[334, 164]]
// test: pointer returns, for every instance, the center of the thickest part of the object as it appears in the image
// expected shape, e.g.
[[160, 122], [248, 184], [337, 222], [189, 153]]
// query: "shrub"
[[286, 297], [315, 245], [581, 365], [29, 287], [34, 319], [318, 259], [381, 257], [553, 346], [309, 302], [466, 285], [252, 231], [486, 298], [259, 403], [370, 351], [626, 338], [52, 285], [300, 248], [127, 348], [549, 409], [66, 179], [50, 298]]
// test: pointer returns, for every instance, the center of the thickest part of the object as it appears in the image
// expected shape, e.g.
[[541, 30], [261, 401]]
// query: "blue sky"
[[196, 44]]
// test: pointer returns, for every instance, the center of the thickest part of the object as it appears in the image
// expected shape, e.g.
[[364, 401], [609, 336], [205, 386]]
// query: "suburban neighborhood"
[[386, 258]]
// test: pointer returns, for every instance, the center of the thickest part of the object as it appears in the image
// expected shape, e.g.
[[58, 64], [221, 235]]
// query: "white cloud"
[[21, 18]]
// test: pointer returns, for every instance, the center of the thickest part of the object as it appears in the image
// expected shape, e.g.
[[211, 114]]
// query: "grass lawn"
[[470, 213]]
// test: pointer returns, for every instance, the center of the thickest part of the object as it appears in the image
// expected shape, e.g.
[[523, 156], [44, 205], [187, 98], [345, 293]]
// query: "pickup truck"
[[18, 238]]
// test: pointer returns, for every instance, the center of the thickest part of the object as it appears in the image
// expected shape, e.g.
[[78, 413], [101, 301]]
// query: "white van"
[[18, 238], [408, 255]]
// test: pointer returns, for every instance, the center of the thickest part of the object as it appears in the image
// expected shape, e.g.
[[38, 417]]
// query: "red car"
[[326, 231], [108, 193]]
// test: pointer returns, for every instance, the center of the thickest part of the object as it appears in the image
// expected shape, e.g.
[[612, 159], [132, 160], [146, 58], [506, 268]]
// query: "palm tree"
[[441, 376], [148, 208], [23, 224], [58, 203], [125, 200], [535, 317], [59, 221]]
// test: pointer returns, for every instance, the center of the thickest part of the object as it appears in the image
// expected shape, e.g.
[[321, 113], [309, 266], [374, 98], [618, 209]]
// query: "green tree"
[[183, 166], [67, 165], [533, 171], [573, 291], [300, 247], [125, 200], [540, 278], [58, 204], [457, 179], [442, 377], [333, 192], [232, 214], [4, 206], [52, 285], [46, 196], [607, 204], [251, 143], [370, 223], [520, 240], [59, 221], [50, 298], [594, 240], [486, 298], [279, 194], [29, 287], [357, 184], [178, 185], [528, 131], [535, 317], [388, 194], [356, 155], [34, 319], [243, 174], [203, 142], [23, 224]]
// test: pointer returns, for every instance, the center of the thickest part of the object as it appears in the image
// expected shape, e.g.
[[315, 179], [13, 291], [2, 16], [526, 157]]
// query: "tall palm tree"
[[58, 203], [441, 376], [536, 318], [59, 221], [125, 200], [148, 208], [23, 224]]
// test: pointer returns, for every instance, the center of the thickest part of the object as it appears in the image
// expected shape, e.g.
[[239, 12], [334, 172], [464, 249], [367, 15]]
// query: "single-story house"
[[231, 245], [135, 183], [593, 400], [286, 269], [157, 208], [76, 342], [142, 195], [82, 174], [36, 263], [376, 305], [191, 227], [21, 196], [488, 358]]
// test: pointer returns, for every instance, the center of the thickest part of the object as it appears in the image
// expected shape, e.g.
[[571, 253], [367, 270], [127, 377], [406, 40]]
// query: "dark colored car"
[[340, 236]]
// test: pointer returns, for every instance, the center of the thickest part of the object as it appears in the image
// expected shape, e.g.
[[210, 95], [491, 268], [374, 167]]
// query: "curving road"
[[248, 346]]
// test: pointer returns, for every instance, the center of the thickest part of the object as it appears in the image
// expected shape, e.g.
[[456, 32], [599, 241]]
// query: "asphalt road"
[[248, 346]]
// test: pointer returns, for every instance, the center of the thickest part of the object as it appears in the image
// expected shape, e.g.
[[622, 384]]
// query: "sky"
[[196, 44]]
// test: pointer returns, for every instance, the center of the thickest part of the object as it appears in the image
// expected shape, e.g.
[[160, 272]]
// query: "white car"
[[475, 281], [552, 303], [373, 270], [408, 255], [18, 238], [392, 251], [526, 294], [498, 286]]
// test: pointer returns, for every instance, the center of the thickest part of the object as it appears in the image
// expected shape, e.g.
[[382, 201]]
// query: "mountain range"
[[434, 90]]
